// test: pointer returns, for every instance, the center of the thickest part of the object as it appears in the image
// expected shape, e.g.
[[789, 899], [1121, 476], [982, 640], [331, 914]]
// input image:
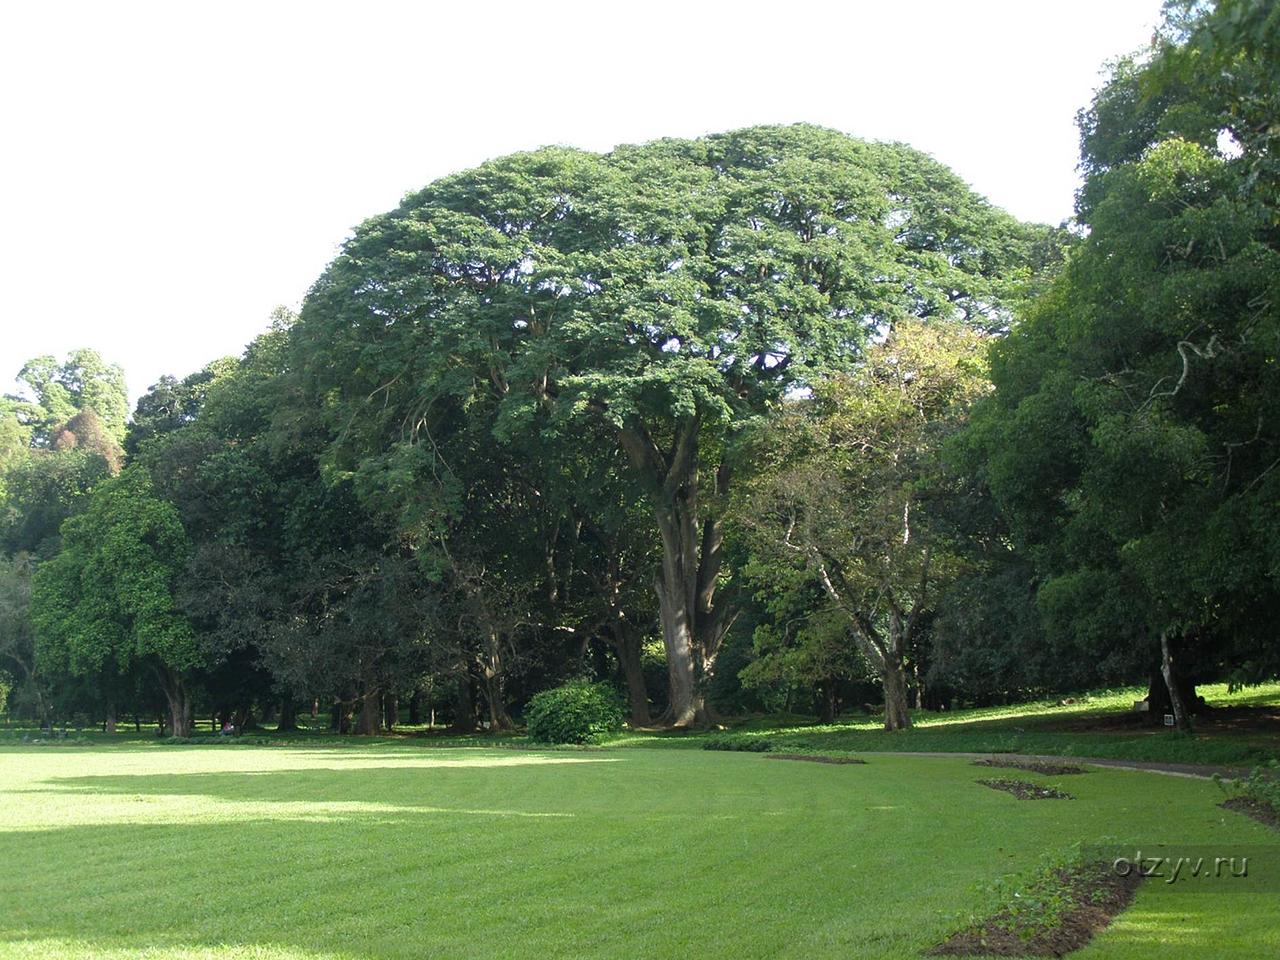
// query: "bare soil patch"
[[1026, 791], [1034, 766], [1085, 901], [1262, 812], [812, 758]]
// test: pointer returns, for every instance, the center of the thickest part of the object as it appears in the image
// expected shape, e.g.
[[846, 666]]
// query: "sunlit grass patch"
[[1098, 724]]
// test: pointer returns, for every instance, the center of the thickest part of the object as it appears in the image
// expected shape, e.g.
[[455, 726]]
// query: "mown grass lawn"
[[1098, 724], [386, 850]]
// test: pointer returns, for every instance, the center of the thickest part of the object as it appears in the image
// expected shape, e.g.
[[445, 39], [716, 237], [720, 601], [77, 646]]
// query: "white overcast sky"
[[172, 171]]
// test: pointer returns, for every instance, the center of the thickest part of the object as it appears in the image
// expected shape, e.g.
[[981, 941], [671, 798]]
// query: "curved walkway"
[[1199, 771]]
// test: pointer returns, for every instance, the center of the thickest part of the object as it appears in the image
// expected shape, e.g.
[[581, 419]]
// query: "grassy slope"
[[1027, 728], [394, 850]]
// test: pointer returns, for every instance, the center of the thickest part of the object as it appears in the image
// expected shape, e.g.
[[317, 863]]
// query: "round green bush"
[[577, 712]]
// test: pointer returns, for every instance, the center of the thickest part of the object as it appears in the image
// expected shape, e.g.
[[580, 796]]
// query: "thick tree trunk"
[[175, 692], [492, 678], [1159, 704], [692, 626], [897, 713], [464, 706], [370, 714], [415, 707], [491, 688], [897, 716], [1168, 669], [179, 711], [678, 639], [288, 715], [110, 725], [828, 705], [626, 641]]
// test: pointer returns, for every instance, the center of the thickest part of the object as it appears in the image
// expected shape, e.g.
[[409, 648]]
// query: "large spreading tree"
[[655, 300]]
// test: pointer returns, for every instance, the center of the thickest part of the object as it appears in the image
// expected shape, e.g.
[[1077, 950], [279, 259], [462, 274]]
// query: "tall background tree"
[[845, 496], [104, 606], [51, 393], [59, 439], [1132, 435]]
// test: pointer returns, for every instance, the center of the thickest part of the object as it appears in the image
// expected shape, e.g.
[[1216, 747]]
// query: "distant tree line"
[[771, 420]]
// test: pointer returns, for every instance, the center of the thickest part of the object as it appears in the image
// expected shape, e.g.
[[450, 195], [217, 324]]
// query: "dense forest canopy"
[[771, 419]]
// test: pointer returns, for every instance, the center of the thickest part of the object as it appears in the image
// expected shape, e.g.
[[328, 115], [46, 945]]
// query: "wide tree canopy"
[[646, 303]]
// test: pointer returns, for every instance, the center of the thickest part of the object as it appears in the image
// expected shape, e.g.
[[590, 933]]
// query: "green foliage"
[[43, 490], [17, 641], [106, 602], [171, 404], [805, 646], [631, 311], [577, 712], [1262, 786], [1034, 904], [1229, 52], [513, 398], [15, 442], [988, 639], [57, 441], [846, 544], [1132, 438], [86, 431], [55, 392]]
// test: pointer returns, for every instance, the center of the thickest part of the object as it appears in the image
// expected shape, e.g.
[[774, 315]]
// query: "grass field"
[[1243, 728], [400, 850]]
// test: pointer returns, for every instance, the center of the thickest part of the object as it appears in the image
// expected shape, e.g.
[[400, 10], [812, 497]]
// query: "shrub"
[[738, 741], [1262, 786], [576, 712]]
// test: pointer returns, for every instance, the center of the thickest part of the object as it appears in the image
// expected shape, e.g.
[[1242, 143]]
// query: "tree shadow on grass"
[[375, 785]]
